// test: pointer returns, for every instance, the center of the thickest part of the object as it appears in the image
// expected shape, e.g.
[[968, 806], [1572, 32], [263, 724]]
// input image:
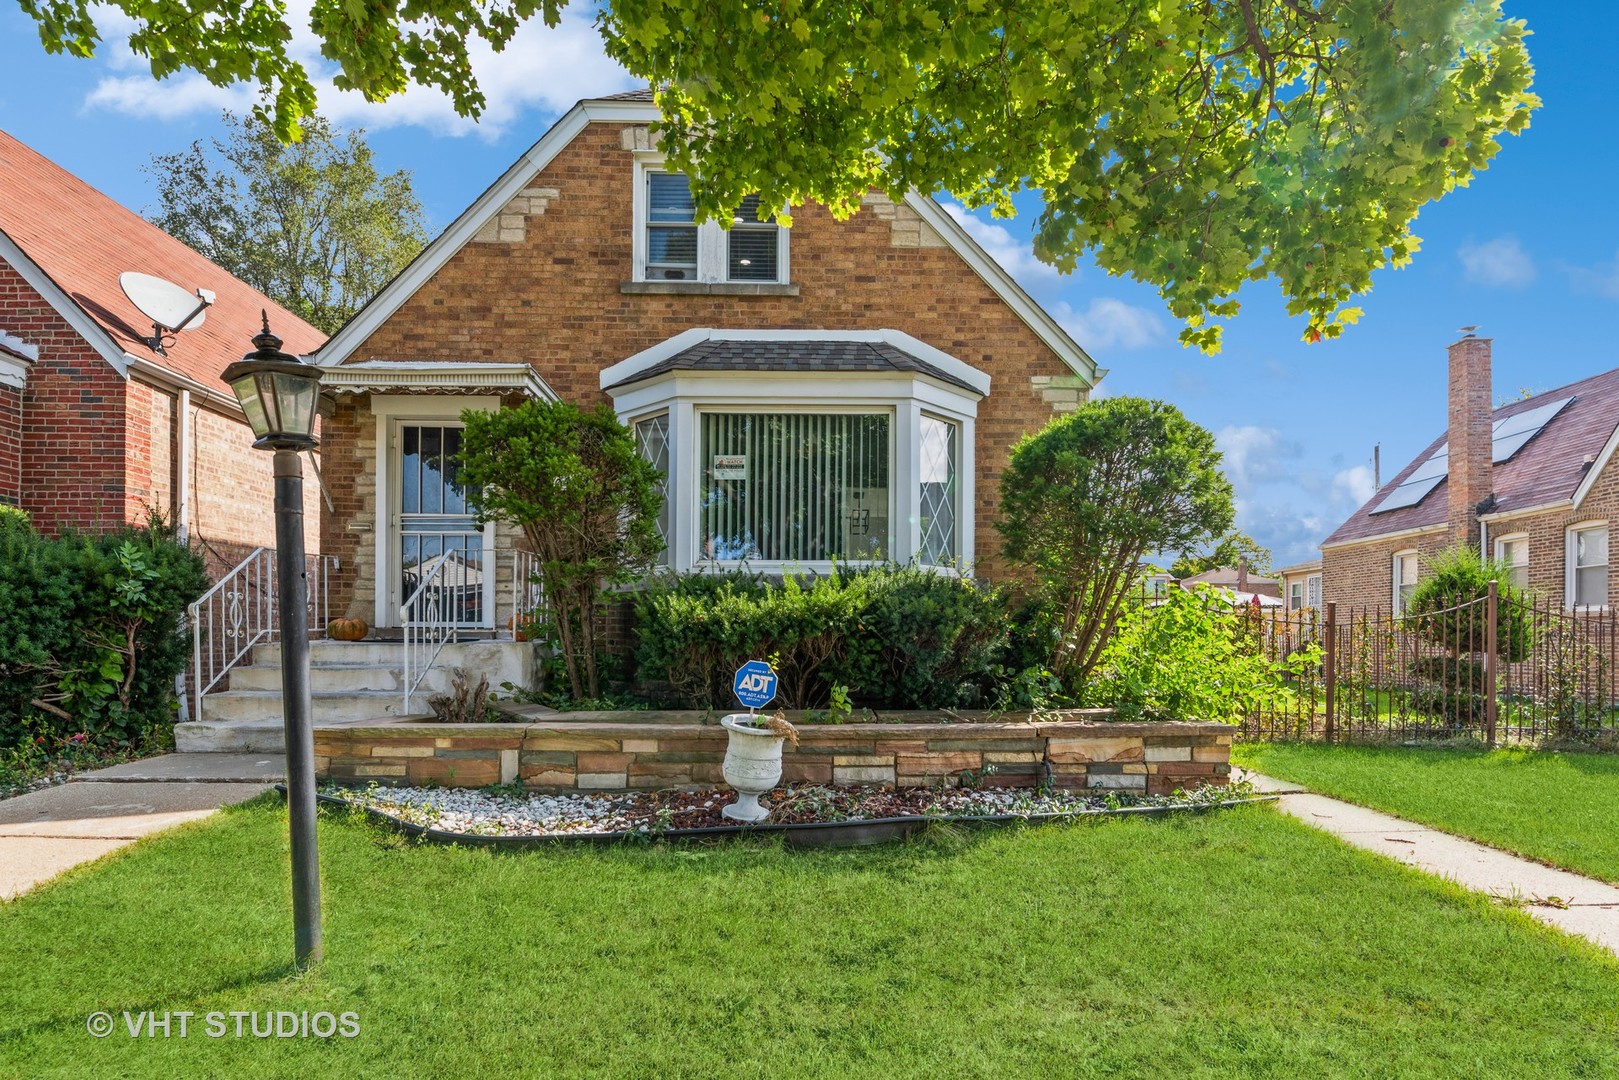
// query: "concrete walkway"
[[48, 831], [1571, 902]]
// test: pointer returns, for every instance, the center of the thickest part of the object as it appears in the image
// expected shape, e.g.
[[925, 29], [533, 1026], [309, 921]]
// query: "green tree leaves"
[[1088, 496], [1196, 145], [313, 225]]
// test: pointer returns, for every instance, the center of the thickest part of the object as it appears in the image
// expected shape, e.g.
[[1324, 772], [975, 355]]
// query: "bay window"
[[794, 487], [652, 439]]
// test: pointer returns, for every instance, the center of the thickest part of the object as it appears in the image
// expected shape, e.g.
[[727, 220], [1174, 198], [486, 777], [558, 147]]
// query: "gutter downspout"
[[182, 510]]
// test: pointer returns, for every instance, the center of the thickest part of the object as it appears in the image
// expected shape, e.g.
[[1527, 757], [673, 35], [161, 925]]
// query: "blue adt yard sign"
[[755, 684]]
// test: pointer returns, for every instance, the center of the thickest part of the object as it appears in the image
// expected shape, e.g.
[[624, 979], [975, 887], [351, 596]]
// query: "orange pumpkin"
[[518, 628], [347, 629]]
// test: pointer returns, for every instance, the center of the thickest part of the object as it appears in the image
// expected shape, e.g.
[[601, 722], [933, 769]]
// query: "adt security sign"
[[755, 684]]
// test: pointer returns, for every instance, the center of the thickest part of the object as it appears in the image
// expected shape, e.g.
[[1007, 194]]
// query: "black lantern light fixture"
[[280, 395], [278, 392]]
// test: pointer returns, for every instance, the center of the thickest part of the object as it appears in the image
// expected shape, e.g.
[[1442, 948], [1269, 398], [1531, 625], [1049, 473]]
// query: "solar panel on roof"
[[1507, 436], [1528, 424]]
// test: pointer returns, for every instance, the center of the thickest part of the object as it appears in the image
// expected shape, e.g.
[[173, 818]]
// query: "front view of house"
[[839, 391]]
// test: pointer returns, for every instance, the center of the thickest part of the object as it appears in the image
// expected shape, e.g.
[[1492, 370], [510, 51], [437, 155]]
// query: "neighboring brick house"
[[1301, 585], [839, 390], [1531, 482], [97, 427], [1237, 581]]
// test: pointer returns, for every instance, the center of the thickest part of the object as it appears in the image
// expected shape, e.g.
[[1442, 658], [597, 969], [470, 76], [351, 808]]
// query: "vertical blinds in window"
[[794, 487]]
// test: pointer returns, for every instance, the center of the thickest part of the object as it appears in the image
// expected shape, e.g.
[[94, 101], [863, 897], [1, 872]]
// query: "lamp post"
[[279, 393]]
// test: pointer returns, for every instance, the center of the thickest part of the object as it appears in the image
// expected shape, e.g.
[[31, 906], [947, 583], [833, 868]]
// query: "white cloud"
[[1353, 486], [1257, 455], [1500, 262], [1602, 279], [1015, 256], [541, 68], [1110, 324]]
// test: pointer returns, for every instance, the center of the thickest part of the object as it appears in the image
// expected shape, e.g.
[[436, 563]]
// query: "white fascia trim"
[[462, 229], [1540, 508], [792, 391], [13, 371], [19, 348], [1006, 287], [1382, 538], [93, 332], [1596, 468], [161, 376], [373, 376], [940, 359]]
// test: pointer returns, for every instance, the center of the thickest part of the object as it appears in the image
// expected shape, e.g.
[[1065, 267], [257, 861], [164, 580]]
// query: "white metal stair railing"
[[527, 596], [436, 613], [241, 611]]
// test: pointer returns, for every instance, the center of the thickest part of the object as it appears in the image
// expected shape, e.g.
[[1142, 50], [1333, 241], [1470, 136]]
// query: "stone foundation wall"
[[584, 755]]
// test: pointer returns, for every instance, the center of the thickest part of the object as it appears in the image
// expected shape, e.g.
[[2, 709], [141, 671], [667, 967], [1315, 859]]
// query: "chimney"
[[1242, 574], [1470, 450]]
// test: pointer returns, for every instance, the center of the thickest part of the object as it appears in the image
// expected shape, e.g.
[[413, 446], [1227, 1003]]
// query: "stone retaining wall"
[[562, 756]]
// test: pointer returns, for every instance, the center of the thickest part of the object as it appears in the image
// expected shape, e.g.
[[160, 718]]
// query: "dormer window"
[[672, 246]]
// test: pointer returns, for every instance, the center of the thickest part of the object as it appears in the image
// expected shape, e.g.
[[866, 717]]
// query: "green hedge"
[[891, 637], [90, 634]]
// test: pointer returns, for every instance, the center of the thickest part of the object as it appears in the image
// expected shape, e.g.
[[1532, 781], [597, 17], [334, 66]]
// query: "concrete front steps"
[[350, 681]]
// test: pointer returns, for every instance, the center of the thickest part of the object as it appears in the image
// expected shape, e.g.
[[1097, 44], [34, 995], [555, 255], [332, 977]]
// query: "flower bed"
[[447, 813]]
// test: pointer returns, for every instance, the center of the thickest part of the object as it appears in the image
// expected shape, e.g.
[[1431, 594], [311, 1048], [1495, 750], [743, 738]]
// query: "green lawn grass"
[[1560, 808], [1234, 944]]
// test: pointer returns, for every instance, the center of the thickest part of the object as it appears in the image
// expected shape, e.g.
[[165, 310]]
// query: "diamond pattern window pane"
[[652, 439], [938, 495]]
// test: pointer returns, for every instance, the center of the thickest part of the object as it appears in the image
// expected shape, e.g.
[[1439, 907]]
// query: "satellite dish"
[[170, 307]]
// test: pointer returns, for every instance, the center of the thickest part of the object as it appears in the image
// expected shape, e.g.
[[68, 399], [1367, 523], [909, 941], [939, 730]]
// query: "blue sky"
[[1529, 253]]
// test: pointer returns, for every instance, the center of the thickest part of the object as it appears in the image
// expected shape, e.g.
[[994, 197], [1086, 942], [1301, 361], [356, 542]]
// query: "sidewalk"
[[1571, 902], [48, 831]]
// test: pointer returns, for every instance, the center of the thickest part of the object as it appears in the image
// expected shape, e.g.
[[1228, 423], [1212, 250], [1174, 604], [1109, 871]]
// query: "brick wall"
[[570, 755], [553, 298], [1362, 575]]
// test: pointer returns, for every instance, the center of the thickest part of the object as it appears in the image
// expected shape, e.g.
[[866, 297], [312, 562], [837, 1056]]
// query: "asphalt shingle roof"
[[83, 240], [730, 355], [1549, 468]]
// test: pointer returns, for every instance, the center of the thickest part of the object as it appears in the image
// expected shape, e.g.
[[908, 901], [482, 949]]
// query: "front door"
[[434, 518]]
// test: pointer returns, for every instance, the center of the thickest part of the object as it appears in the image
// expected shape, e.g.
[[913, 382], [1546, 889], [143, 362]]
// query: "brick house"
[[1301, 585], [99, 425], [839, 390], [1531, 482]]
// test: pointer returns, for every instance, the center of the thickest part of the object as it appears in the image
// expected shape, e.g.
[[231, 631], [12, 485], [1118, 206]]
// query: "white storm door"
[[434, 517]]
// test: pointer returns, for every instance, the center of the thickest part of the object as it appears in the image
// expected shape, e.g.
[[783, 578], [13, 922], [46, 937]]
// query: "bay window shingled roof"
[[1549, 468], [794, 355]]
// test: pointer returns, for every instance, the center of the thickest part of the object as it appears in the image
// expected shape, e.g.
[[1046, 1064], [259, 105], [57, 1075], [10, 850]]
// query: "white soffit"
[[379, 376]]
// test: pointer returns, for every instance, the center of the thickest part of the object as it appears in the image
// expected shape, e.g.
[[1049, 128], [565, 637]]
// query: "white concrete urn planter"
[[752, 766]]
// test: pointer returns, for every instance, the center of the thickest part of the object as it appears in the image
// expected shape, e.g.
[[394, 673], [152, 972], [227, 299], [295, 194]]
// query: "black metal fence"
[[1493, 669]]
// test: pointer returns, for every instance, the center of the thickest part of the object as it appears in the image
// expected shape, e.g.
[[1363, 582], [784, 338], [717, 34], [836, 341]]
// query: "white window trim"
[[713, 262], [1297, 585], [1394, 573], [684, 395], [1312, 580], [1501, 543], [1569, 550]]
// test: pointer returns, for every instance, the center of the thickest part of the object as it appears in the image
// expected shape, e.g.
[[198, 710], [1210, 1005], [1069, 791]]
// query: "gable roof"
[[637, 107], [1551, 468], [70, 242], [794, 350]]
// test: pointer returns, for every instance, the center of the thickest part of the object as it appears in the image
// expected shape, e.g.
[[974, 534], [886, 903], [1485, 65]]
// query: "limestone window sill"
[[707, 288]]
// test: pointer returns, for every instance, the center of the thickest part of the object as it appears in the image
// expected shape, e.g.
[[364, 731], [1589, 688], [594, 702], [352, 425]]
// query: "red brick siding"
[[1362, 575], [74, 408], [554, 300]]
